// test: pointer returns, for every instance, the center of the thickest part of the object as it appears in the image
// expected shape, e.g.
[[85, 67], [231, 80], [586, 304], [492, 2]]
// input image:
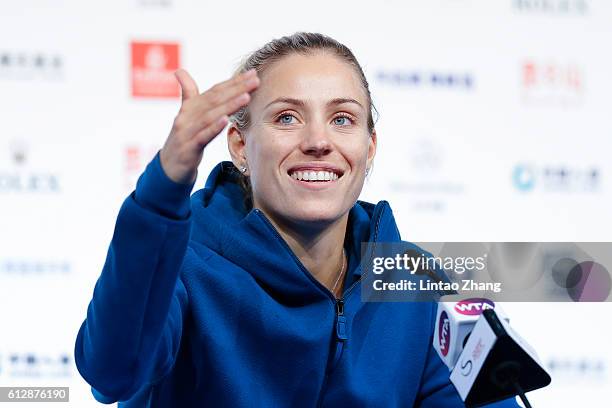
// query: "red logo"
[[136, 157], [476, 353], [474, 306], [552, 75], [444, 333], [153, 66]]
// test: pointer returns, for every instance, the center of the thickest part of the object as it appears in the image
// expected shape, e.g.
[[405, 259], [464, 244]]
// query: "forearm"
[[134, 317]]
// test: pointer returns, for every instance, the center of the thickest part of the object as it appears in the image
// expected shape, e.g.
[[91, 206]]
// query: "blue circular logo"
[[523, 178]]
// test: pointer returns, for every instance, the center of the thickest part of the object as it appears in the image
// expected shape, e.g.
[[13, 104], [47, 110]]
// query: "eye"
[[285, 118], [343, 120]]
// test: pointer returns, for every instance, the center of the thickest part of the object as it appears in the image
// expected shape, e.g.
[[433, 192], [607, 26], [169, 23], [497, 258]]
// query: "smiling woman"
[[306, 140], [249, 296]]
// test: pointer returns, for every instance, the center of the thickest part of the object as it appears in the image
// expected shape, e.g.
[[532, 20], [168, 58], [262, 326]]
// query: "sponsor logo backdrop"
[[493, 127]]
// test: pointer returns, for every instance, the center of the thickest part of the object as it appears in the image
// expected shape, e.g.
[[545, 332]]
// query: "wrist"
[[156, 191], [177, 174]]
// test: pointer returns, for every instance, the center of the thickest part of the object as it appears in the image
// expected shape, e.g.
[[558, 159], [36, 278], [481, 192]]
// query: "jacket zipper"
[[340, 323], [341, 336]]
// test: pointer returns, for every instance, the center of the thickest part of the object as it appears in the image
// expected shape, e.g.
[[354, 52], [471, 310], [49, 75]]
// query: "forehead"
[[315, 77]]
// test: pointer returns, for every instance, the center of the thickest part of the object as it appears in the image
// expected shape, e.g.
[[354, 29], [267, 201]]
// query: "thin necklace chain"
[[341, 270]]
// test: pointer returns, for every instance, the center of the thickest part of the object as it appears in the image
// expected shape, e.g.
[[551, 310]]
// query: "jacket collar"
[[248, 239]]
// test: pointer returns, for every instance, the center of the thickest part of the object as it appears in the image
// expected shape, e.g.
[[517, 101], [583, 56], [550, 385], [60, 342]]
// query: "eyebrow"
[[301, 103]]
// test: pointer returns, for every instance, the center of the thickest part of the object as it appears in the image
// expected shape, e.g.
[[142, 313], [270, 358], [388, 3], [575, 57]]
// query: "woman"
[[248, 294]]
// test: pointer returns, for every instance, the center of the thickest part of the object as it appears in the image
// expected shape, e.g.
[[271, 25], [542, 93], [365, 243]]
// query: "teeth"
[[314, 175]]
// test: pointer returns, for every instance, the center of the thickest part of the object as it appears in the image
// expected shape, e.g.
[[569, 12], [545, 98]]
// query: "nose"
[[316, 141]]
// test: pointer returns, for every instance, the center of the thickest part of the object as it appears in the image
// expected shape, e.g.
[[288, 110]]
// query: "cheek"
[[356, 153], [266, 152]]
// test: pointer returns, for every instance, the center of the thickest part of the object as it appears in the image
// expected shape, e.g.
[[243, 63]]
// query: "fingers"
[[236, 79], [227, 108], [225, 91], [204, 137], [189, 88], [205, 116], [215, 120], [230, 96]]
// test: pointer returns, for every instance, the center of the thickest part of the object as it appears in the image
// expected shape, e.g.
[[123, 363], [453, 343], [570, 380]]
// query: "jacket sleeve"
[[436, 389], [132, 331]]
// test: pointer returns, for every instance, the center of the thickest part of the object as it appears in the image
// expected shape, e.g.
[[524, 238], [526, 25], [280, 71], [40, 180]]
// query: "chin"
[[306, 211], [316, 213]]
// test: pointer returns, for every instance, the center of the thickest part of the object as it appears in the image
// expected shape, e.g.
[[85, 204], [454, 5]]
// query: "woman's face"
[[308, 146]]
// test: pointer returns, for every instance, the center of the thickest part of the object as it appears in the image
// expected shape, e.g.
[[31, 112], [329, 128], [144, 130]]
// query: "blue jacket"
[[201, 304]]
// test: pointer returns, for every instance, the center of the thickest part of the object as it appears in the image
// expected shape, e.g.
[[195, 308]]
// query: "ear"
[[237, 147], [371, 149]]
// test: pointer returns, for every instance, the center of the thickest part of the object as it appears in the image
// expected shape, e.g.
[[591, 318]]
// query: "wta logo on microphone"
[[444, 333], [455, 320], [474, 306]]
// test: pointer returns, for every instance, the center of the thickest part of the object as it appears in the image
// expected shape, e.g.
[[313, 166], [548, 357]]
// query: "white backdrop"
[[494, 126]]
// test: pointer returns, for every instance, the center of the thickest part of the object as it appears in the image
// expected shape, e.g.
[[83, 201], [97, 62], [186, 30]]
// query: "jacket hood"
[[250, 241]]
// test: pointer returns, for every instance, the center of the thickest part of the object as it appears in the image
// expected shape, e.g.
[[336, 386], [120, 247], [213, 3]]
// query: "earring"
[[367, 171], [243, 169]]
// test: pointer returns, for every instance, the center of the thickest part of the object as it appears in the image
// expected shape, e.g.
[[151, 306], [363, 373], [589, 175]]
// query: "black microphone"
[[496, 364]]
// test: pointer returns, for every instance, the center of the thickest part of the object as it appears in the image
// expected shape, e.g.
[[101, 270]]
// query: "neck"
[[319, 246]]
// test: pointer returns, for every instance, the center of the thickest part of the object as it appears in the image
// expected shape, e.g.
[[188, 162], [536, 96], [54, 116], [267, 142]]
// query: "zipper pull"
[[340, 321]]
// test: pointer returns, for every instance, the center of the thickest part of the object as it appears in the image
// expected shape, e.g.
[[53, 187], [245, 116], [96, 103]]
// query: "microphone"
[[496, 364], [455, 320]]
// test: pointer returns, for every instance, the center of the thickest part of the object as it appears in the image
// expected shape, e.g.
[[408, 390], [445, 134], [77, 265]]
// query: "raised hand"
[[200, 119]]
